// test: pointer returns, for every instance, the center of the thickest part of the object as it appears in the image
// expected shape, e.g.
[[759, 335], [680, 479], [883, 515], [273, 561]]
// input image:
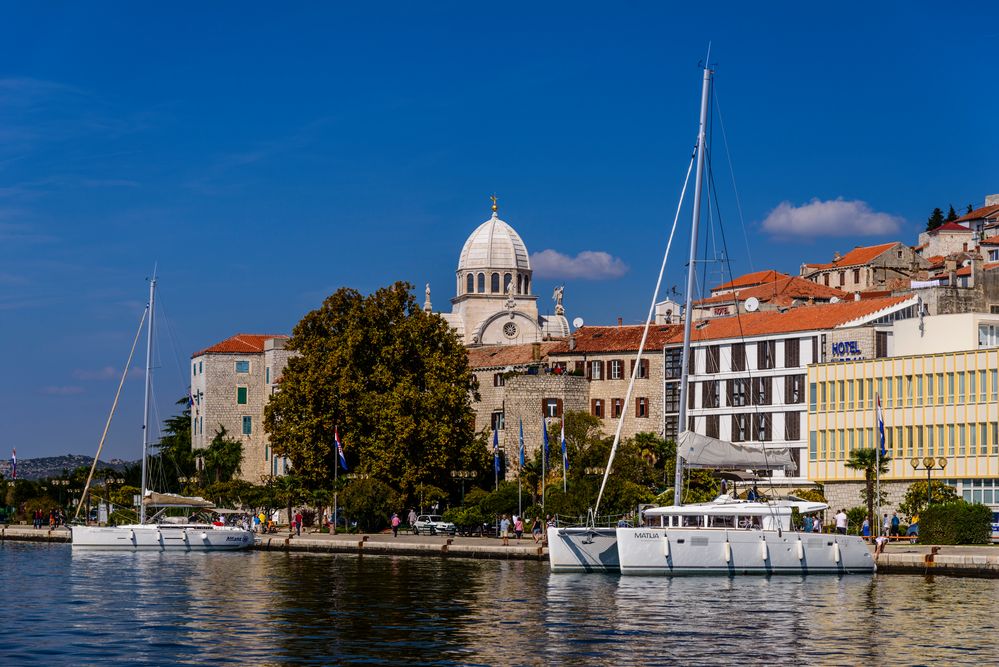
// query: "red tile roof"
[[783, 290], [592, 339], [751, 279], [950, 227], [993, 240], [803, 318], [859, 255], [240, 344], [493, 356], [978, 213]]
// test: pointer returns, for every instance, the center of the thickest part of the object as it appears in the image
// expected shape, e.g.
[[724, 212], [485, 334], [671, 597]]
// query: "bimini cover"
[[701, 451], [153, 499]]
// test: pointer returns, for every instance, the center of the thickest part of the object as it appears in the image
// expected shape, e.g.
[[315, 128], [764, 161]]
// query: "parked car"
[[433, 524]]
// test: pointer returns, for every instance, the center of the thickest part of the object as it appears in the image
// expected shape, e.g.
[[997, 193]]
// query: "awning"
[[153, 499], [701, 451]]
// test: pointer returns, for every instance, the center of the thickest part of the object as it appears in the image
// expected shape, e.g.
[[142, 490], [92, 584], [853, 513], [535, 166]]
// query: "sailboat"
[[158, 532]]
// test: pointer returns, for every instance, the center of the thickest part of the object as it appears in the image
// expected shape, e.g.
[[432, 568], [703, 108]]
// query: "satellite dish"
[[834, 299], [752, 304], [578, 322]]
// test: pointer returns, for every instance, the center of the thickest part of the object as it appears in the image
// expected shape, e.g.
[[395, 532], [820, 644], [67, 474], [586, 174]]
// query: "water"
[[59, 607]]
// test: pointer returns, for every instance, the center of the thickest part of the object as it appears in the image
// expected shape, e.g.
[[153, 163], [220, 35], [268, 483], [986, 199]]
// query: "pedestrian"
[[298, 522], [807, 524], [536, 529], [865, 529], [817, 526], [886, 525], [505, 530], [256, 524], [262, 519], [518, 527], [411, 518], [395, 524], [894, 524], [753, 494], [841, 522]]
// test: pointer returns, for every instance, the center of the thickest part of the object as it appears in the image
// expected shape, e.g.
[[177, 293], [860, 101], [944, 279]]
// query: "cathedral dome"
[[494, 245]]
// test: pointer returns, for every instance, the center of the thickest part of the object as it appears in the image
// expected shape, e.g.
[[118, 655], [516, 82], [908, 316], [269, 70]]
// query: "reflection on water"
[[60, 607]]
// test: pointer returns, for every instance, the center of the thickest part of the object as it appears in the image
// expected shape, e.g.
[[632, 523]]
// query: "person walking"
[[536, 529], [865, 529], [518, 527], [807, 524], [817, 525], [411, 518], [395, 524], [886, 525], [894, 524], [841, 522], [298, 522], [505, 530]]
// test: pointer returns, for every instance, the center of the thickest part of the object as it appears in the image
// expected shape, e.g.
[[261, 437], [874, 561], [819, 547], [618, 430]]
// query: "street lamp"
[[463, 475], [928, 464]]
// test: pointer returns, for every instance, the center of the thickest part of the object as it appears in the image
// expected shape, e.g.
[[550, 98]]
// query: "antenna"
[[578, 322], [752, 304]]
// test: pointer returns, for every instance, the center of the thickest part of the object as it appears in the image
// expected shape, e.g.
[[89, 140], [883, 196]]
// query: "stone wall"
[[847, 494], [850, 344], [524, 400]]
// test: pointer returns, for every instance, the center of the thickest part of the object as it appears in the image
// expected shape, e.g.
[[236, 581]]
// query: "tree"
[[223, 457], [174, 448], [391, 378], [369, 502], [935, 220], [951, 214], [915, 497], [969, 209], [867, 460]]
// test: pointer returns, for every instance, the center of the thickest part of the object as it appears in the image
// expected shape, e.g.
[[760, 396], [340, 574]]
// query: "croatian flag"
[[881, 425], [13, 464], [521, 443], [565, 452], [339, 447], [496, 461], [544, 431]]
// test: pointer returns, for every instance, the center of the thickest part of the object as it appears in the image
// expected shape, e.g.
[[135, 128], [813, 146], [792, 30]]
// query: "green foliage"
[[855, 518], [955, 522], [914, 500], [370, 503], [951, 214], [466, 519], [223, 457], [393, 379], [935, 220], [501, 501], [176, 457], [427, 494], [813, 495], [475, 496], [867, 459]]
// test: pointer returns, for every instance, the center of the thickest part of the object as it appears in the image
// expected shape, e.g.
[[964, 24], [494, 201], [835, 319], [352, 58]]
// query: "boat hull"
[[161, 538], [673, 551], [582, 549]]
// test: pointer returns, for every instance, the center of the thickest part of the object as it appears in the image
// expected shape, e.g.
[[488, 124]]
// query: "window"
[[812, 400], [929, 441], [988, 335], [641, 407], [961, 445], [499, 380], [856, 276], [671, 427], [761, 427], [950, 439], [470, 283], [710, 394], [940, 388], [672, 362], [482, 283], [617, 407], [552, 407], [842, 394], [761, 390], [792, 425], [267, 375], [880, 344], [842, 278], [241, 395], [242, 366], [247, 425], [711, 426], [672, 398], [960, 387], [597, 407], [740, 428], [792, 353], [738, 356], [765, 354], [738, 392], [643, 369], [849, 395], [813, 446], [507, 279], [950, 385], [794, 389], [498, 421], [825, 279], [711, 359], [194, 369], [595, 370], [616, 370]]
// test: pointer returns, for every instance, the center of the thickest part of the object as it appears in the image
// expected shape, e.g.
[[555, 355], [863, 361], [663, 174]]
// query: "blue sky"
[[266, 156]]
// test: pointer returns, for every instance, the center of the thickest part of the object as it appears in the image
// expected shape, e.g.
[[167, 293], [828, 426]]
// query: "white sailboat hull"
[[582, 549], [684, 551], [161, 537]]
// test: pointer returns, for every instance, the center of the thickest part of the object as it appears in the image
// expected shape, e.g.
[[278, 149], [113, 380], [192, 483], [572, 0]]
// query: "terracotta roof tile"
[[492, 356], [978, 213], [994, 240], [592, 339], [240, 344], [950, 227], [783, 290], [859, 255], [751, 279]]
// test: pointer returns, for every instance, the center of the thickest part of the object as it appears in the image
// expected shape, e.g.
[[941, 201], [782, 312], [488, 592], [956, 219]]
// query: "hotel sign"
[[847, 350]]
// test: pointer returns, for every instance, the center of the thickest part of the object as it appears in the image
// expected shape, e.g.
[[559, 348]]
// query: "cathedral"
[[493, 302]]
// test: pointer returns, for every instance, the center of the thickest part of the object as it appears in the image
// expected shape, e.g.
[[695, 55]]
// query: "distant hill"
[[53, 466]]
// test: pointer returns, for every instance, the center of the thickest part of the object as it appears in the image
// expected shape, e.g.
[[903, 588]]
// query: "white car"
[[433, 524]]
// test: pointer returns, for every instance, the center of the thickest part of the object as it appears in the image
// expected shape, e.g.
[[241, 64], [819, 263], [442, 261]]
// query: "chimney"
[[950, 266], [856, 296], [535, 351], [620, 321], [837, 256], [572, 343]]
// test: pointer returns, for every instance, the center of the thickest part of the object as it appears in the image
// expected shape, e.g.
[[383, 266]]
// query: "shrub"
[[370, 503], [956, 522], [466, 519], [855, 519]]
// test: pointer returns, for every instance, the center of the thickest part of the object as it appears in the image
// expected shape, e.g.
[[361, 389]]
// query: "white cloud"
[[835, 217], [62, 391], [587, 265]]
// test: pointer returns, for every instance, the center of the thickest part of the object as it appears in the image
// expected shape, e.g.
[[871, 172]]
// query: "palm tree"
[[867, 460]]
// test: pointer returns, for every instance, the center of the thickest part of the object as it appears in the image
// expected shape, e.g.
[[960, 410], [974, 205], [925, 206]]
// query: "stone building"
[[231, 383], [764, 291], [946, 239], [877, 267]]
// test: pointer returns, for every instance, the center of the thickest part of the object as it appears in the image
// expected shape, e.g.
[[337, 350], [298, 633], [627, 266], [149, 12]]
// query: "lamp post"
[[928, 464], [463, 475]]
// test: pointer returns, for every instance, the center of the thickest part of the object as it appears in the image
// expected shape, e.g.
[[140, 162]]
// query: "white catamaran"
[[159, 532]]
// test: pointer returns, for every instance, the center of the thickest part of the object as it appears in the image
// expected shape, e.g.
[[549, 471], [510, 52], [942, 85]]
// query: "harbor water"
[[60, 607]]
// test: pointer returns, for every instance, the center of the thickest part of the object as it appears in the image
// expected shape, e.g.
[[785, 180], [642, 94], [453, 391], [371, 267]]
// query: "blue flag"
[[521, 443], [881, 425], [565, 452], [496, 461], [544, 431], [339, 447]]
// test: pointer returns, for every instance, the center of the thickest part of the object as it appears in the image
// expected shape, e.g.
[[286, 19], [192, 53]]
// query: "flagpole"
[[520, 473], [336, 468], [544, 460], [877, 458]]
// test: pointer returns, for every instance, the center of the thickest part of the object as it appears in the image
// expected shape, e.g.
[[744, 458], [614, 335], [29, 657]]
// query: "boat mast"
[[688, 315], [145, 400]]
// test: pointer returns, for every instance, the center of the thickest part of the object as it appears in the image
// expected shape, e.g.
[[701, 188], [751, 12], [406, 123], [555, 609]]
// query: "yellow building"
[[943, 405]]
